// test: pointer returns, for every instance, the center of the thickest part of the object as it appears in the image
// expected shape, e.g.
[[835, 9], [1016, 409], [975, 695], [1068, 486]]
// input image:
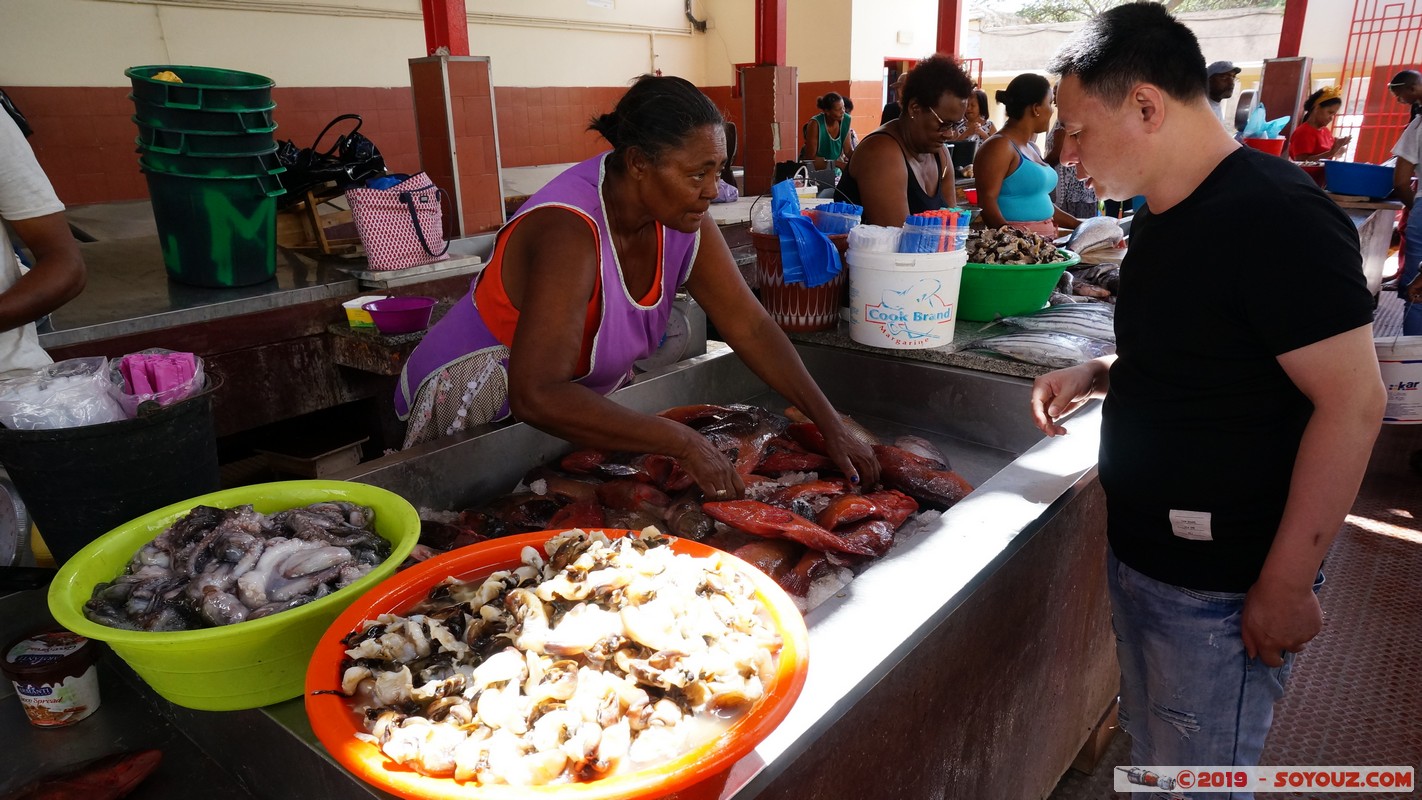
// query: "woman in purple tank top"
[[588, 271]]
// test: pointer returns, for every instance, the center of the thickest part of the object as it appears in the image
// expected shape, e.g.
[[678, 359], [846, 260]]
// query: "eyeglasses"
[[943, 127]]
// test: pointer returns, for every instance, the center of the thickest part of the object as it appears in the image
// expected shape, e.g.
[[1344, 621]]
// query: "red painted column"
[[770, 32], [950, 26], [446, 25], [1295, 11]]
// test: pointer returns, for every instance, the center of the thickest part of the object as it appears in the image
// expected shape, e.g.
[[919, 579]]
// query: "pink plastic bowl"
[[401, 314]]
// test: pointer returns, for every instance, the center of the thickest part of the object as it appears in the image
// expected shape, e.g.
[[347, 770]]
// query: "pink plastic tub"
[[401, 314]]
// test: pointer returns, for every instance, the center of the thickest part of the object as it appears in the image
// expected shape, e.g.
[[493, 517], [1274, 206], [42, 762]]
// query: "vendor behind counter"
[[902, 167], [581, 285]]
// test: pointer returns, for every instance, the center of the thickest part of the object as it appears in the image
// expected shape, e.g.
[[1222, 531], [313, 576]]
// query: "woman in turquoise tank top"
[[1014, 182]]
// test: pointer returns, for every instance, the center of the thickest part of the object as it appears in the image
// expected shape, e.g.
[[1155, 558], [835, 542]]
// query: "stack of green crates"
[[207, 148]]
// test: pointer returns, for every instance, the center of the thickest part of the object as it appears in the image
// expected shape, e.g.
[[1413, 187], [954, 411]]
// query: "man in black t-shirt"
[[1237, 424]]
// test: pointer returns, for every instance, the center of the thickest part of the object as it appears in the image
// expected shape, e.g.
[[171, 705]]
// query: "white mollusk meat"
[[607, 655]]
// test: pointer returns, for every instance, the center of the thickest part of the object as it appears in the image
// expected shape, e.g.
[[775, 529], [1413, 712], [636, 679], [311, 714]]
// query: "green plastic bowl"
[[992, 290], [249, 664]]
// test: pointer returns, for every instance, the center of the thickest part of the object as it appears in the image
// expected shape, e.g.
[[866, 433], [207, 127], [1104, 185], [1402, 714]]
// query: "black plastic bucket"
[[80, 483]]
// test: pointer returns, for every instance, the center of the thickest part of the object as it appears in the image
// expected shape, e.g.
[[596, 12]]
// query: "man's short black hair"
[[1131, 44]]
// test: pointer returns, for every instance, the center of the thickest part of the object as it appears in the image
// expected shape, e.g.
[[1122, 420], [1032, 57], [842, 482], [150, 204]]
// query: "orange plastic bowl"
[[336, 724]]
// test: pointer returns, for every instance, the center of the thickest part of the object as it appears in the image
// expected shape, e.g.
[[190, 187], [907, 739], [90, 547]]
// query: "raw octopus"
[[800, 519], [222, 566]]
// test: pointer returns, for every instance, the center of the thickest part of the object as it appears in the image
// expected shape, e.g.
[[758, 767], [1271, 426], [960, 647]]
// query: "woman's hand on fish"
[[1058, 393], [851, 453], [712, 471]]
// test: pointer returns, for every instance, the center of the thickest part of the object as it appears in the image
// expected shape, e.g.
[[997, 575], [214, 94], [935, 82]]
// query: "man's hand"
[[1058, 393], [1277, 618]]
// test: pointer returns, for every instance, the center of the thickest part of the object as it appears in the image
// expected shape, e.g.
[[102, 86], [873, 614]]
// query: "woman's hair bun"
[[655, 115]]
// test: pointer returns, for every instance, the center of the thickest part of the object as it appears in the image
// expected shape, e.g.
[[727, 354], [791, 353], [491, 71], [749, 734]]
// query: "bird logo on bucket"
[[912, 317]]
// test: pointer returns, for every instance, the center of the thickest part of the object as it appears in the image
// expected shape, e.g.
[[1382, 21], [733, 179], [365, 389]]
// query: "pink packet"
[[135, 370], [171, 371]]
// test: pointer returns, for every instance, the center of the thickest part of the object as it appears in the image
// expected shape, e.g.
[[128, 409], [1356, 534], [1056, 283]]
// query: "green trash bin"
[[202, 89], [217, 232]]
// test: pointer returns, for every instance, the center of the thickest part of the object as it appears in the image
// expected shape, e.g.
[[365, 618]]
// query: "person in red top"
[[1312, 140]]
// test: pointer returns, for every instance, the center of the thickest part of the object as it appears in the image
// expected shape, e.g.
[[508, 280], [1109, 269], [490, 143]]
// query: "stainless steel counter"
[[270, 339], [964, 333], [130, 292], [859, 637]]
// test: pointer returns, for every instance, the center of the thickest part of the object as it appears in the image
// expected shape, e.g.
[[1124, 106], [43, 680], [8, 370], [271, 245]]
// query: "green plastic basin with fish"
[[248, 664], [992, 290]]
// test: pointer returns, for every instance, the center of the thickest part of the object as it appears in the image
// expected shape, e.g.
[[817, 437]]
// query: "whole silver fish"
[[1104, 309], [1092, 325], [1043, 348]]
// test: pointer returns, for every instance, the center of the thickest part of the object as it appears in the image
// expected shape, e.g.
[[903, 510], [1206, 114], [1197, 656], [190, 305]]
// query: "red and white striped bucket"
[[795, 307]]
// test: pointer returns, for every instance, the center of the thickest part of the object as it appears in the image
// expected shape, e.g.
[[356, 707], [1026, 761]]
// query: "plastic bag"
[[1259, 128], [785, 206], [762, 220], [66, 394], [725, 192], [807, 255], [145, 381]]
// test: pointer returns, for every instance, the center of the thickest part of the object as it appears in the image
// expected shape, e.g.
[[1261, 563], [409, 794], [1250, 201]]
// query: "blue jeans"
[[1190, 696], [1411, 262]]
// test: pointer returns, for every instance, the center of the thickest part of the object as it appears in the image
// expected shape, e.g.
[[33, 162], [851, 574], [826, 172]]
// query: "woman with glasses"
[[580, 286], [1014, 181], [902, 168]]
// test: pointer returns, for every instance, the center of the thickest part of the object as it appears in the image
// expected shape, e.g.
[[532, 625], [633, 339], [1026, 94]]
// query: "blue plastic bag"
[[807, 255], [1260, 128]]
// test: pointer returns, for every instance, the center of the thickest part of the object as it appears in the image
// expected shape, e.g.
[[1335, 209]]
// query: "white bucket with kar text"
[[904, 301], [1400, 361]]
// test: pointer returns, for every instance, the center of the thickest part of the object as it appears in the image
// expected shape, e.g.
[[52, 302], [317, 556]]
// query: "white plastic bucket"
[[1400, 360], [904, 301]]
